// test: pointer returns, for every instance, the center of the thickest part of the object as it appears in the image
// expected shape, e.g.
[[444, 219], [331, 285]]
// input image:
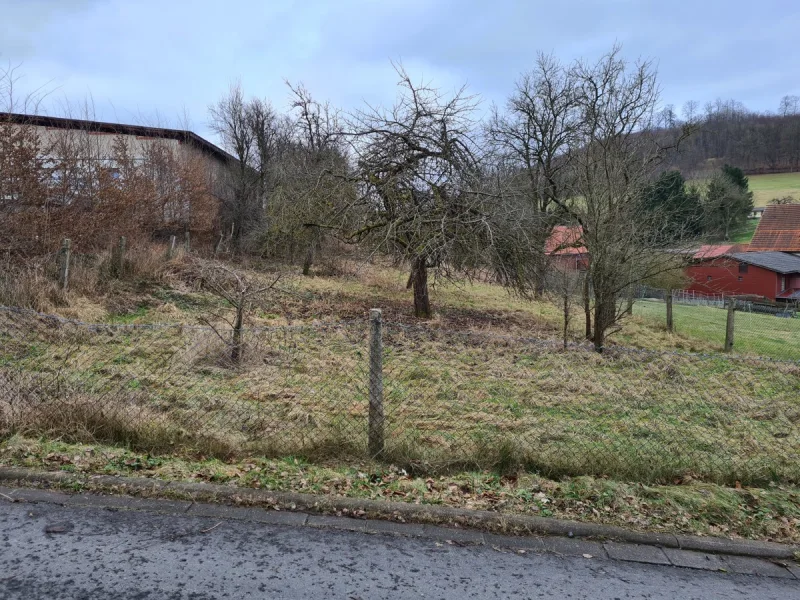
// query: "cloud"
[[139, 58]]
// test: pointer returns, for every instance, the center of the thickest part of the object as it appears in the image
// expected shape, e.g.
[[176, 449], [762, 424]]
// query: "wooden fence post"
[[171, 247], [376, 416], [729, 325], [63, 275], [670, 324]]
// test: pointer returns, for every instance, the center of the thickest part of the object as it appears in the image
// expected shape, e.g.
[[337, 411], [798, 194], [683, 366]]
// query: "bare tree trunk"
[[422, 302], [629, 307], [309, 260], [236, 347], [604, 317], [587, 306]]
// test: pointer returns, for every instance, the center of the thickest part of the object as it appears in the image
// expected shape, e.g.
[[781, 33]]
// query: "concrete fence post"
[[376, 416], [118, 257], [670, 323], [187, 242], [729, 324], [171, 248], [64, 259]]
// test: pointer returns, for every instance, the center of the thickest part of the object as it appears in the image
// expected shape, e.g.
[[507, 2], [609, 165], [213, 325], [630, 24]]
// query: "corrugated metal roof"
[[778, 229], [780, 262], [790, 295]]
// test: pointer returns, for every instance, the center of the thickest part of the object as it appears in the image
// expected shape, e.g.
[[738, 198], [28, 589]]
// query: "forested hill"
[[757, 143]]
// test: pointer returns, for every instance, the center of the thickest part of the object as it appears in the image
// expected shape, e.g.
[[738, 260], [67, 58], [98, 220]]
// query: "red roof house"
[[565, 247], [771, 275]]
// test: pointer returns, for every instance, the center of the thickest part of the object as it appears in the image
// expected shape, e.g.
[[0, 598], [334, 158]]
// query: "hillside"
[[756, 143], [777, 185]]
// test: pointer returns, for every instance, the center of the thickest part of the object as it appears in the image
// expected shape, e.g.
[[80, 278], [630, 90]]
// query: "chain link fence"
[[433, 399], [759, 328]]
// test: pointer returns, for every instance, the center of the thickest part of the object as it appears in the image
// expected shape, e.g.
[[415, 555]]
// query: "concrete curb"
[[519, 525]]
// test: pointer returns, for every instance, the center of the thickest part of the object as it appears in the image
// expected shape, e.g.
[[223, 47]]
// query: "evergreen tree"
[[679, 209], [728, 202]]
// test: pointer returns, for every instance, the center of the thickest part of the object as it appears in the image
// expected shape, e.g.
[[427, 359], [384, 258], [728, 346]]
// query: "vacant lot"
[[767, 187], [483, 408], [454, 399]]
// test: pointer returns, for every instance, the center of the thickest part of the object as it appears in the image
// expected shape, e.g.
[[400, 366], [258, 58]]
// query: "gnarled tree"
[[417, 176]]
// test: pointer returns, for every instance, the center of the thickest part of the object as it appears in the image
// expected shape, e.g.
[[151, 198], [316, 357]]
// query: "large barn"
[[769, 267]]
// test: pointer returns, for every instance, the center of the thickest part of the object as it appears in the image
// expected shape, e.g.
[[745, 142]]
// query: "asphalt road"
[[52, 551]]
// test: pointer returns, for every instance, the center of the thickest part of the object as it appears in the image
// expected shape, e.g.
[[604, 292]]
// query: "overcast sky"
[[141, 58]]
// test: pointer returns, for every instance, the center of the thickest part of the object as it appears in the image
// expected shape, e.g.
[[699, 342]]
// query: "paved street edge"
[[397, 512]]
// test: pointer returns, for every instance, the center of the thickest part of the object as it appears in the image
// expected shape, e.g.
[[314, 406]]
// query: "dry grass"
[[452, 400], [474, 387]]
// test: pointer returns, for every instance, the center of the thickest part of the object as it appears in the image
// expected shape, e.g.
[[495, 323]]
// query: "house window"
[[742, 268], [741, 278], [708, 278], [783, 283]]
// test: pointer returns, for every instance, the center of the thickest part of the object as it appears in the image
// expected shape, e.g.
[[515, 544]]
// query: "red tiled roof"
[[778, 230], [565, 239], [709, 251]]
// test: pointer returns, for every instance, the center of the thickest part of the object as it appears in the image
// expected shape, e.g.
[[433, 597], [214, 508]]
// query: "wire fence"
[[431, 399], [757, 328]]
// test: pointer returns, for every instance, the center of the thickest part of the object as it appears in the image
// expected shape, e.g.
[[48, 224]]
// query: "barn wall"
[[725, 276]]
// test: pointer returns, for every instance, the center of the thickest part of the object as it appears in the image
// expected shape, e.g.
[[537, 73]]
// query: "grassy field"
[[767, 187], [755, 334]]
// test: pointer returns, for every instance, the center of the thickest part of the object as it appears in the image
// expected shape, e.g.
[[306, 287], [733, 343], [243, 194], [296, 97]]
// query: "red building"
[[565, 248], [769, 267], [771, 275]]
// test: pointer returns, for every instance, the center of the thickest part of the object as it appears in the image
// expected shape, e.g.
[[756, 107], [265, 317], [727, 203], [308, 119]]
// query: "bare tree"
[[240, 292], [533, 136], [416, 174], [317, 149], [617, 154], [564, 285], [789, 105], [231, 119]]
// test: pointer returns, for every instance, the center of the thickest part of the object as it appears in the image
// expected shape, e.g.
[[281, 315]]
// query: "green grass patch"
[[755, 334], [779, 185], [745, 233]]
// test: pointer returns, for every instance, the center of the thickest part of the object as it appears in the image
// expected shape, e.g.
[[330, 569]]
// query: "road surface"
[[71, 552]]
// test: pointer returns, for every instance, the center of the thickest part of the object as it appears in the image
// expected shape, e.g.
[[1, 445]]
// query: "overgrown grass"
[[473, 399], [683, 506], [473, 394]]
